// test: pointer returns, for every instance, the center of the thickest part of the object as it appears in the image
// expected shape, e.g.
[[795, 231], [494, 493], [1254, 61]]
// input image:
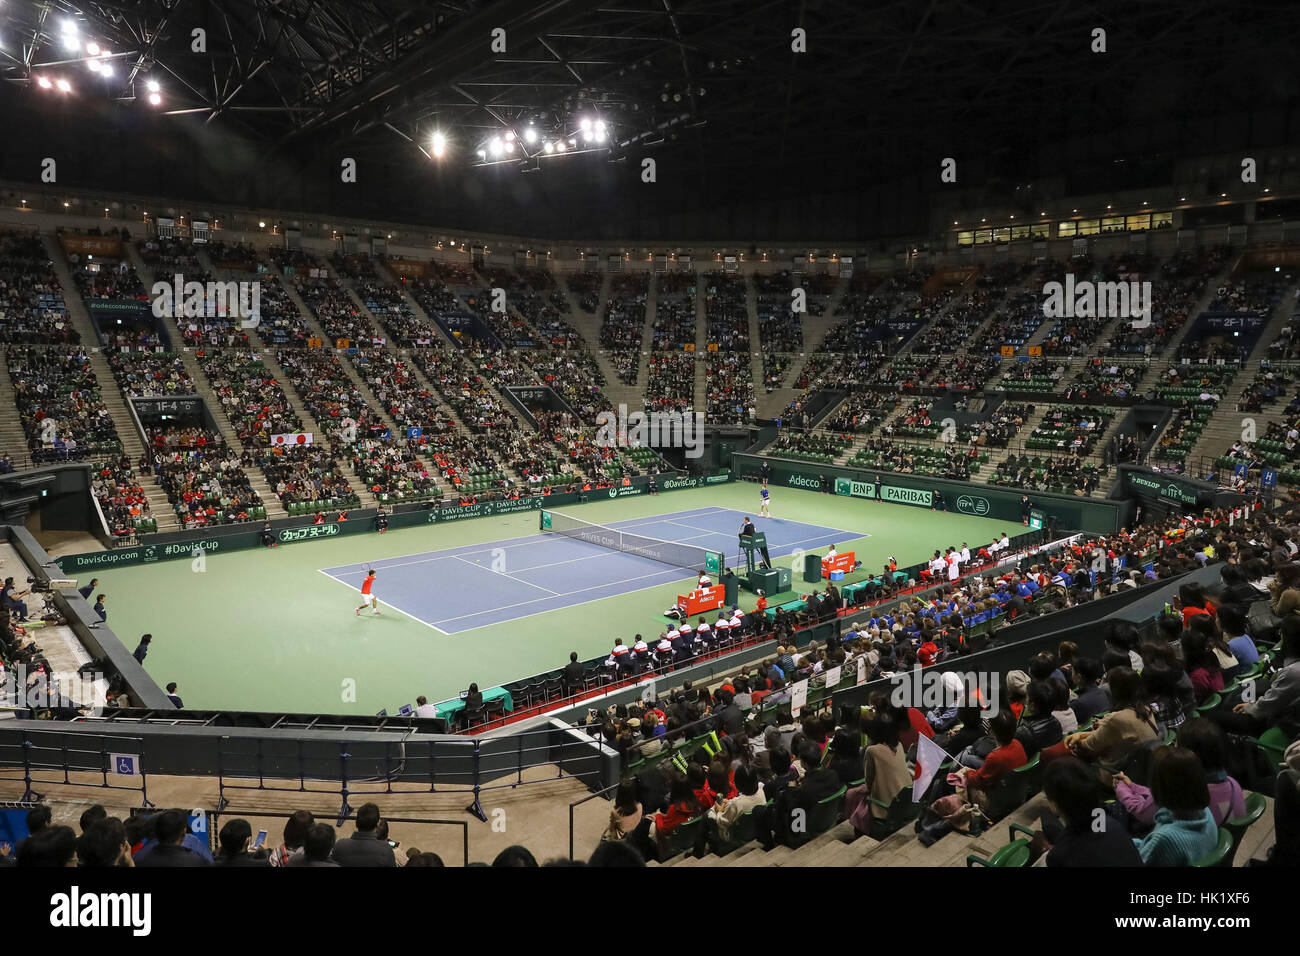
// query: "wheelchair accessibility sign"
[[125, 765]]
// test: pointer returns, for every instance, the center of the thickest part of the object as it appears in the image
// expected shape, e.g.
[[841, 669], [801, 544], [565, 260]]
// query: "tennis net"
[[673, 553]]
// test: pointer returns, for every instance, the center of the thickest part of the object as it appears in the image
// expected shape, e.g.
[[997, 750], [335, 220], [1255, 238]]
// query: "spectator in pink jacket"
[[1206, 741]]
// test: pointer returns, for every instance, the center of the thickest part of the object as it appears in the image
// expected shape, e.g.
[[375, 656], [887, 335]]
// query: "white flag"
[[929, 757]]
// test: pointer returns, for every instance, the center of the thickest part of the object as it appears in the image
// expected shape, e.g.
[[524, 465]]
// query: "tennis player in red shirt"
[[366, 596]]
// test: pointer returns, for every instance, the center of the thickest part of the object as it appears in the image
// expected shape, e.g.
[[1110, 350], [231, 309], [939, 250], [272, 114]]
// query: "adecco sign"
[[803, 481], [973, 505]]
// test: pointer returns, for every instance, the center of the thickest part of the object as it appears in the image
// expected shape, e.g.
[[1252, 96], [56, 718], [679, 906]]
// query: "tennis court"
[[266, 629], [460, 589]]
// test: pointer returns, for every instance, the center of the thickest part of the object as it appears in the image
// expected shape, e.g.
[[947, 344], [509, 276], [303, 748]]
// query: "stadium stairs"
[[699, 397], [1225, 427], [132, 441], [634, 394], [13, 440], [588, 326], [817, 327], [514, 313], [418, 311], [256, 480], [841, 846], [376, 407], [755, 339], [1149, 380], [357, 486]]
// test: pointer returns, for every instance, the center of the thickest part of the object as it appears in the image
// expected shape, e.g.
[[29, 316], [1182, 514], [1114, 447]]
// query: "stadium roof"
[[712, 89]]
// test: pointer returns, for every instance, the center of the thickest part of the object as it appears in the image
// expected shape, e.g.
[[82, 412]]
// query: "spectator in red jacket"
[[1007, 757]]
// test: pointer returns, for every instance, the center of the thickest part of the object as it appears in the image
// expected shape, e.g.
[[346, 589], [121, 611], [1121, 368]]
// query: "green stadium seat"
[[683, 838], [1221, 855], [1012, 856], [902, 811]]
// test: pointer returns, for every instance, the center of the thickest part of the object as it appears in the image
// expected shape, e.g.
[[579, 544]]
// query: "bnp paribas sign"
[[907, 496], [855, 489]]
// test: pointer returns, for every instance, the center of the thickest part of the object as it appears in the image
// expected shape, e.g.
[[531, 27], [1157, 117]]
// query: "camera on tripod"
[[38, 586]]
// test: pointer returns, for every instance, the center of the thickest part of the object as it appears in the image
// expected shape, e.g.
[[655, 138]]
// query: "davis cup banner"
[[291, 438]]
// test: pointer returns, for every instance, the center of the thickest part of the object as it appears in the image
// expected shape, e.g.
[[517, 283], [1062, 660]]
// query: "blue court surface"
[[460, 589]]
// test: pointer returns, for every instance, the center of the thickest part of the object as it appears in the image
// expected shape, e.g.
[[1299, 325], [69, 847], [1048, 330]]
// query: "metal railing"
[[471, 766], [65, 759]]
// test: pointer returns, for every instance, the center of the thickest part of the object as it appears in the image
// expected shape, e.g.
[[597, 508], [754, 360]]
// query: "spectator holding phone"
[[237, 848]]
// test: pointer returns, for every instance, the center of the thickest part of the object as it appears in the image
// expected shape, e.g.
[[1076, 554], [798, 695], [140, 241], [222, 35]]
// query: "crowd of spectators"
[[726, 312], [941, 461], [1267, 388], [729, 380], [952, 317], [1100, 377], [389, 306], [338, 315], [328, 392], [674, 324], [670, 384], [232, 256], [1181, 282], [965, 373], [1015, 322], [32, 310], [168, 256], [576, 378], [622, 324], [163, 838], [764, 760], [470, 395], [249, 395], [394, 381], [302, 473], [203, 478], [356, 266], [861, 412], [394, 469], [150, 374], [780, 328], [1070, 473], [586, 286], [59, 404], [122, 499], [107, 279]]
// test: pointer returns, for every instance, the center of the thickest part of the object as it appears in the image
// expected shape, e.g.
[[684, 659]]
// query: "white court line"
[[606, 584], [504, 545], [525, 541], [503, 574], [603, 552], [384, 603]]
